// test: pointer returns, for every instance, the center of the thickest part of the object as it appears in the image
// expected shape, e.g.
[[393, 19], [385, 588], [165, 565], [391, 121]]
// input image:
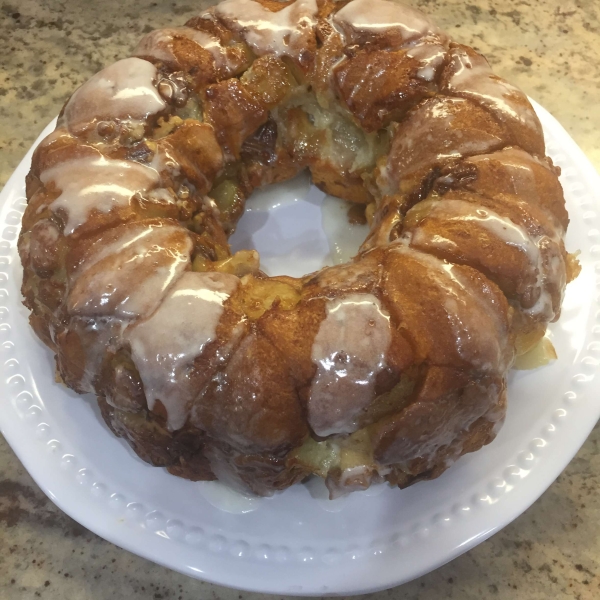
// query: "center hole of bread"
[[297, 229]]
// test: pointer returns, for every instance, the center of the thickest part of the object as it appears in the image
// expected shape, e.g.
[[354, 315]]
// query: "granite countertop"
[[551, 49]]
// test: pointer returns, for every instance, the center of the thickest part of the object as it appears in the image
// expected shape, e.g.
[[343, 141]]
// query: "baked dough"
[[389, 367]]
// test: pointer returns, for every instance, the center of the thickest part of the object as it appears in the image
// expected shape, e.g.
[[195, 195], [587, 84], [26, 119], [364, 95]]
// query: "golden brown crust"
[[194, 147], [464, 266], [417, 300], [520, 120], [447, 402], [253, 405], [435, 132], [380, 86], [349, 186], [233, 113]]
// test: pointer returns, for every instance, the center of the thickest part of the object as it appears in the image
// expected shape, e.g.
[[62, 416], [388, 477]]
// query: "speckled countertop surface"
[[551, 49]]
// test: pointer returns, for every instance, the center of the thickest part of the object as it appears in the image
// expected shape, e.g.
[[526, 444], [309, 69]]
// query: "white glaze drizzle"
[[164, 346], [127, 275], [157, 44], [96, 183], [227, 499], [124, 91], [474, 79], [373, 18], [164, 163], [502, 228], [173, 349], [480, 331], [427, 136], [518, 164], [40, 245], [283, 33], [431, 56], [349, 351], [553, 270], [525, 181], [55, 136], [107, 332]]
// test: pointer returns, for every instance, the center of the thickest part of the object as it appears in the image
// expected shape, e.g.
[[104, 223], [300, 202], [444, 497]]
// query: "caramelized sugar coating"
[[389, 367]]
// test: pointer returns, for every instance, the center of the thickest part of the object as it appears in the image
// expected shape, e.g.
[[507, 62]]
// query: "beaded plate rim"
[[296, 567]]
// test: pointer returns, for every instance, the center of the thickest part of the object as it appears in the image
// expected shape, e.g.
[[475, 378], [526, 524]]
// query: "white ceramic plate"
[[297, 542]]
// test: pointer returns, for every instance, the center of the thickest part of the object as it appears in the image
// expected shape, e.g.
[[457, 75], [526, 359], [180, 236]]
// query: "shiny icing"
[[96, 184], [431, 56], [282, 33], [504, 229], [157, 44], [164, 346], [479, 327], [123, 91], [501, 227], [429, 135], [473, 78], [554, 273], [226, 499], [129, 270], [134, 287], [519, 165], [349, 351], [363, 20]]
